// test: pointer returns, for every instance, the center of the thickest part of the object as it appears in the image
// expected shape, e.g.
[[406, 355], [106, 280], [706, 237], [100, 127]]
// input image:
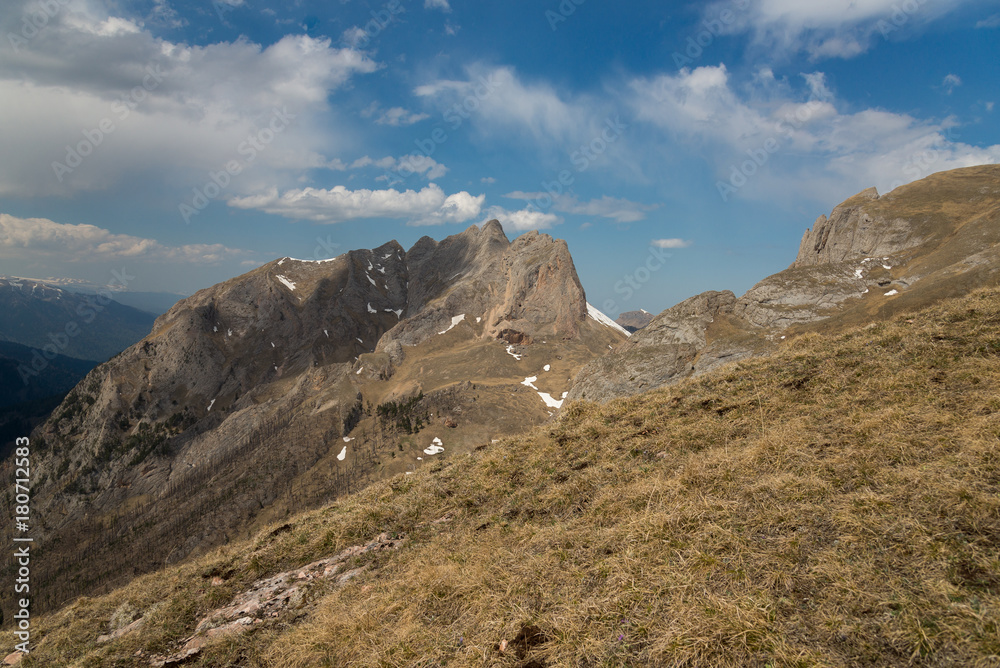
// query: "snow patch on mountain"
[[605, 320]]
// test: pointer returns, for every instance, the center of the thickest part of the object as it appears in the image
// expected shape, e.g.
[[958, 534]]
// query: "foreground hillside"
[[834, 504]]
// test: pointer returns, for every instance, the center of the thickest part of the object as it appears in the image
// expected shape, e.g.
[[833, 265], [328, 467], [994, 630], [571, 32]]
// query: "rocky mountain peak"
[[853, 232], [873, 255]]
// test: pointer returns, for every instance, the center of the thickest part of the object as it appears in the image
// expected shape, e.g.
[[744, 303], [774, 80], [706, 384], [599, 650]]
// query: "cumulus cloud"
[[617, 209], [670, 243], [791, 139], [172, 110], [437, 4], [41, 237], [429, 206], [522, 219]]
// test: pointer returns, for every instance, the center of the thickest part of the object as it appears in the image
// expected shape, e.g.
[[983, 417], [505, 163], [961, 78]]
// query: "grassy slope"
[[835, 504]]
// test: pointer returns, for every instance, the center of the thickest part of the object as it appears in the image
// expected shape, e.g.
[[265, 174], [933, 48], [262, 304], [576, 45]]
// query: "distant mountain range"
[[50, 338], [156, 303], [73, 324]]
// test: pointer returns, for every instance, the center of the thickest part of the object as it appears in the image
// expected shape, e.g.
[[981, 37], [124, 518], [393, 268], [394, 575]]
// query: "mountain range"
[[301, 383], [302, 380]]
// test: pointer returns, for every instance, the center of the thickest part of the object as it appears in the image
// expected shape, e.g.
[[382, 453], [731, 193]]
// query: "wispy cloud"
[[408, 164], [991, 22], [503, 104], [41, 237], [791, 139], [617, 209], [950, 83], [395, 117], [670, 243], [429, 206], [437, 4], [832, 29]]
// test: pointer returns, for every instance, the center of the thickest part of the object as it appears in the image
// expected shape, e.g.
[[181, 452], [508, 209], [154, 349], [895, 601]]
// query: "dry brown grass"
[[835, 504]]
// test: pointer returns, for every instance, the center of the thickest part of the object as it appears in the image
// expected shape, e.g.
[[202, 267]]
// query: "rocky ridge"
[[633, 321], [299, 381], [928, 240]]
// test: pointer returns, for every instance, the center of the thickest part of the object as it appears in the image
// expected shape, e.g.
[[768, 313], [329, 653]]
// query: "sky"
[[677, 147]]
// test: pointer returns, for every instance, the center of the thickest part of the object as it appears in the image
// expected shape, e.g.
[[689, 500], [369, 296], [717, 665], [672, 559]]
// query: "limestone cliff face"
[[852, 233], [522, 290], [664, 351], [872, 256], [241, 388]]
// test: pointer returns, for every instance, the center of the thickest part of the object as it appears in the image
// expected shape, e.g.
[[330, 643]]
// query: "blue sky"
[[677, 147]]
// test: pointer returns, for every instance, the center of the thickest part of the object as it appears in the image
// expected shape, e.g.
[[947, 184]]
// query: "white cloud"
[[429, 206], [522, 219], [496, 98], [395, 117], [670, 243], [817, 85], [177, 111], [43, 238], [403, 167], [831, 29], [951, 82], [487, 179], [437, 4], [991, 22], [823, 150], [619, 210]]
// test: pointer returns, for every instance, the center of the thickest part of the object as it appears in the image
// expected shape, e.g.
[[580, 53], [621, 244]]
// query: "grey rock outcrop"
[[924, 241], [852, 233], [662, 352]]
